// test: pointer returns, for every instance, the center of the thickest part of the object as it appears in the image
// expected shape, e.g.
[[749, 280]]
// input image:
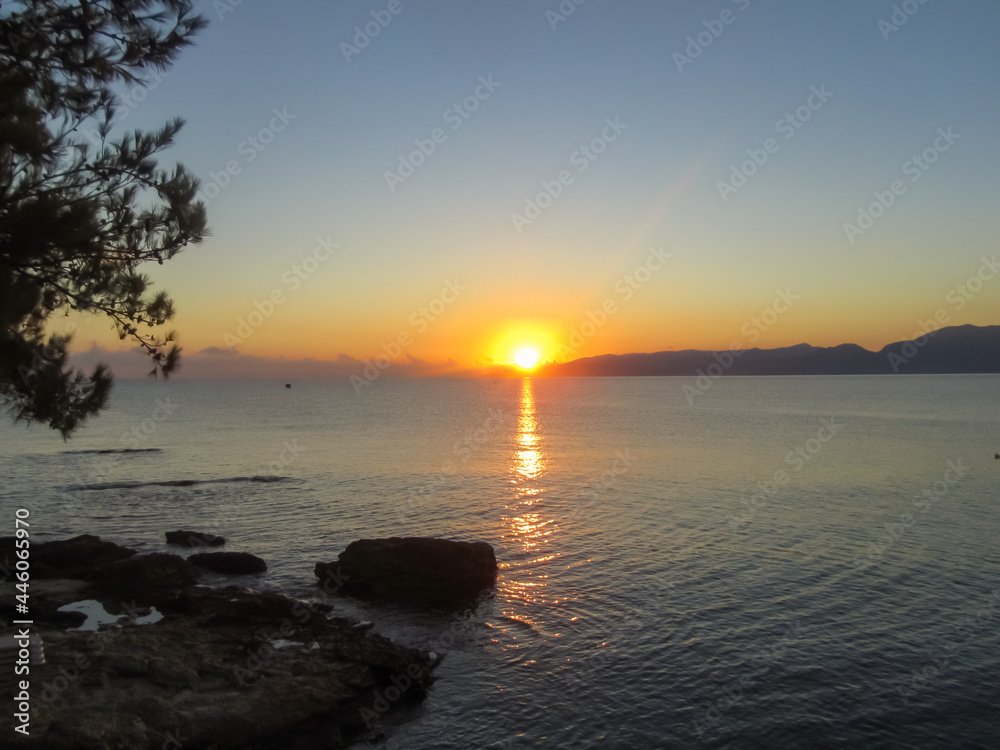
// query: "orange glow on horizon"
[[486, 340], [526, 345]]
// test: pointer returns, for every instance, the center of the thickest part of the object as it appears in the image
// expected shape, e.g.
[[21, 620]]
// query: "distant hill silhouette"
[[956, 349]]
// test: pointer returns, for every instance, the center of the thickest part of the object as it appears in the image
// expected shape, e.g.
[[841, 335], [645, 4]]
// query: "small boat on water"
[[288, 385]]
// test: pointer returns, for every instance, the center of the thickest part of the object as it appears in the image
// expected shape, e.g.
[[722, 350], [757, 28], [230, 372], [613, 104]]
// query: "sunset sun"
[[524, 344], [526, 358]]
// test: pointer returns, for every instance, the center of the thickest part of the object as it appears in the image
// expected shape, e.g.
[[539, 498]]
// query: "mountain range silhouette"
[[950, 350]]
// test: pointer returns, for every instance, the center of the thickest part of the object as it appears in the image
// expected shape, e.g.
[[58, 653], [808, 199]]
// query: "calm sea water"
[[783, 563]]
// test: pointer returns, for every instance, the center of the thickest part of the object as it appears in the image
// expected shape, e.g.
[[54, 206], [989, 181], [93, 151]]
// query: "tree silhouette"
[[79, 215]]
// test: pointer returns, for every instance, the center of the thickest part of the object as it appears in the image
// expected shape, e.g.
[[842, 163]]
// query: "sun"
[[524, 345], [526, 358]]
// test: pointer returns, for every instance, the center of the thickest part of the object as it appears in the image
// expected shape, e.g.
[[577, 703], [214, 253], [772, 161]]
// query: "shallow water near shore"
[[784, 562]]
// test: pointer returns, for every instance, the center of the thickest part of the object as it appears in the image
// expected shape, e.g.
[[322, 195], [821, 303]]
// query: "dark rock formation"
[[67, 558], [194, 539], [281, 674], [225, 668], [233, 563], [156, 572], [47, 595], [418, 569]]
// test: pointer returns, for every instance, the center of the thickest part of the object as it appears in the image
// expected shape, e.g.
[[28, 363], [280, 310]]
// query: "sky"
[[443, 184]]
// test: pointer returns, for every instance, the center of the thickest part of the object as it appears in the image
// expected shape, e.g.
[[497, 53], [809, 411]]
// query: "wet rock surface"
[[68, 558], [157, 572], [193, 539], [233, 563], [223, 668], [415, 569]]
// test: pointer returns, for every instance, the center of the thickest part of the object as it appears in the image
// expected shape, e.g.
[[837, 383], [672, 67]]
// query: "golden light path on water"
[[527, 531]]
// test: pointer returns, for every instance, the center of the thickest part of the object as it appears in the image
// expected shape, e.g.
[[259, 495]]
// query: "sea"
[[759, 562]]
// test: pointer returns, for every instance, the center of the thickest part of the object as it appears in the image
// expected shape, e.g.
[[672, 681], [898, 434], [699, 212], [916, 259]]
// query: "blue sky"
[[657, 184]]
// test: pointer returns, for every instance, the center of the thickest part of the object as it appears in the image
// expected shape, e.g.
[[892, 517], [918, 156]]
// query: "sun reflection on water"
[[528, 530], [529, 462]]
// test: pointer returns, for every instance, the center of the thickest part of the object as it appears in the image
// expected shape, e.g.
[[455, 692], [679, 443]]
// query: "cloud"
[[209, 363], [124, 363]]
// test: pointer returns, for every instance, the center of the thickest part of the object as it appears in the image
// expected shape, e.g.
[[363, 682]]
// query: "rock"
[[101, 728], [7, 558], [194, 539], [67, 558], [233, 563], [47, 595], [243, 607], [208, 679], [418, 569], [128, 665], [152, 574]]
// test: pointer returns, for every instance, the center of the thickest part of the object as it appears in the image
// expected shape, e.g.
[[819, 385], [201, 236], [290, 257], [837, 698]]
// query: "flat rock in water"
[[417, 569], [194, 539], [234, 563], [156, 572]]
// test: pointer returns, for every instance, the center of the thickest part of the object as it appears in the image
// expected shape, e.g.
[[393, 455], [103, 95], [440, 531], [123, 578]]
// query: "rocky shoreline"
[[185, 665]]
